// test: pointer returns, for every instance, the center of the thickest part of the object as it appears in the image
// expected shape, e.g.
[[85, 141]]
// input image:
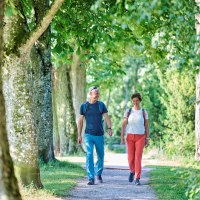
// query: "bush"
[[191, 177]]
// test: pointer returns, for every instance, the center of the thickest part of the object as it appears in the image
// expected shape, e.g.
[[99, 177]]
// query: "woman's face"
[[136, 101]]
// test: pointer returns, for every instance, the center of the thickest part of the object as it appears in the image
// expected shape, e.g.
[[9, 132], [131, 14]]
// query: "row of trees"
[[44, 71]]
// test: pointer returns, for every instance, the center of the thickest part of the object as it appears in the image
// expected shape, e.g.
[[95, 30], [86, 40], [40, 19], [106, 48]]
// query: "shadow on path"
[[115, 185]]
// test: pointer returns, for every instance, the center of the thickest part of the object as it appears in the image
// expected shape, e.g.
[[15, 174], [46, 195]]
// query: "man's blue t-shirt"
[[93, 117]]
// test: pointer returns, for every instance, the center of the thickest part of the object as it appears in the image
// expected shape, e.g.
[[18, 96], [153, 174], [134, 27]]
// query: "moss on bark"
[[20, 119], [8, 182]]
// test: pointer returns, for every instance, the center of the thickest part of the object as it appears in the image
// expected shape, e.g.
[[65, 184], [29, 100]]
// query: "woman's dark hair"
[[136, 95]]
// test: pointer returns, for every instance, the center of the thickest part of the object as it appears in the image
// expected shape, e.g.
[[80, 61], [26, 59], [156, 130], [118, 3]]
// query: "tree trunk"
[[71, 117], [56, 137], [22, 133], [197, 113], [78, 82], [66, 127], [17, 77], [18, 90], [42, 99], [8, 183], [41, 64], [60, 107]]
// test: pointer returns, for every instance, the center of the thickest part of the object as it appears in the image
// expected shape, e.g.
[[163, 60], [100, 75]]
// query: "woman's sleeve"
[[126, 113], [146, 115]]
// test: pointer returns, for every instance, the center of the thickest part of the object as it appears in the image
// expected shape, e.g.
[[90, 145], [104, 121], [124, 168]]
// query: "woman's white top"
[[135, 121]]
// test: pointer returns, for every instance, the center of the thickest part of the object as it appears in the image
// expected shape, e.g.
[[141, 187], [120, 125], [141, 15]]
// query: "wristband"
[[110, 128]]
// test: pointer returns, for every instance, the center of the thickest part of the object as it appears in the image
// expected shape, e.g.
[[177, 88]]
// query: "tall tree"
[[8, 182], [18, 90], [78, 82], [41, 65], [60, 82], [65, 131]]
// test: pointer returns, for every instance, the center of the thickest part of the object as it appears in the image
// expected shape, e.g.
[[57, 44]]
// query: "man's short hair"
[[93, 88]]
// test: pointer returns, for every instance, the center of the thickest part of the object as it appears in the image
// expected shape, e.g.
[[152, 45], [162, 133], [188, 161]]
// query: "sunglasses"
[[93, 88]]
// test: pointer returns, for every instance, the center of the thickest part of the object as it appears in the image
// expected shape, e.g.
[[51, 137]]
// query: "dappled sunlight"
[[51, 55]]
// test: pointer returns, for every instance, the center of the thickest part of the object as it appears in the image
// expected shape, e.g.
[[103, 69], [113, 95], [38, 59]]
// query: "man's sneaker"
[[137, 181], [91, 182], [99, 178], [131, 177]]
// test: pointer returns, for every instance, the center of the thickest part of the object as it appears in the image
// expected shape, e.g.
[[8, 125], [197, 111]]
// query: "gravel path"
[[115, 185]]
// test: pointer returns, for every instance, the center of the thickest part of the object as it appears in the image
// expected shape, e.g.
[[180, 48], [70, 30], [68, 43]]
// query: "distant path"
[[116, 185]]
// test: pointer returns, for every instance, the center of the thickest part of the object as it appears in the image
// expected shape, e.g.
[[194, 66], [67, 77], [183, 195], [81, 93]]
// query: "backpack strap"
[[100, 104], [85, 107], [144, 115], [129, 112]]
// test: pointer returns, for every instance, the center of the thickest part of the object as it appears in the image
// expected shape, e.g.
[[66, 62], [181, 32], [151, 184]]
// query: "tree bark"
[[20, 115], [65, 133], [8, 183], [71, 117], [19, 94], [42, 100], [56, 137], [78, 82], [60, 109], [41, 65]]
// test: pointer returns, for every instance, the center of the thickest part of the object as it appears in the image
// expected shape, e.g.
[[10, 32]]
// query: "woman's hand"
[[122, 140], [146, 142]]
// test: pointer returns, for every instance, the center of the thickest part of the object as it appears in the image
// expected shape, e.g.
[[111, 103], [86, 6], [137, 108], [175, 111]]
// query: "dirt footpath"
[[115, 185]]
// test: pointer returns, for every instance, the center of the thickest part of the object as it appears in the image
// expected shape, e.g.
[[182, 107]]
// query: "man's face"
[[94, 94]]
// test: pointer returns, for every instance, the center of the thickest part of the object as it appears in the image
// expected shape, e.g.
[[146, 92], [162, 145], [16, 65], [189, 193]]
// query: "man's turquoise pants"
[[90, 142]]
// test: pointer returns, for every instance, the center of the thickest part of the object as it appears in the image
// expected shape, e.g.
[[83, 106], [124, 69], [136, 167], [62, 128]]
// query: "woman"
[[135, 123]]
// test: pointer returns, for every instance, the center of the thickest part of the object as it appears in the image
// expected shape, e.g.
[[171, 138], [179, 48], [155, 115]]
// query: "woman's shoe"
[[137, 181], [131, 177]]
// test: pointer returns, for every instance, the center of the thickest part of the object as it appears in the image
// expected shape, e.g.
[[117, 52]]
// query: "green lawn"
[[167, 184], [57, 178], [60, 177]]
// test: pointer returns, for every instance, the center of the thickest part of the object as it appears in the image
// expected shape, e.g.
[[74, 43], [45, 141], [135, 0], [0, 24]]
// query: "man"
[[93, 112]]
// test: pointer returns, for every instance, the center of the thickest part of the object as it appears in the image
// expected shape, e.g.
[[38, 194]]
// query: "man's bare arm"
[[80, 128], [108, 121]]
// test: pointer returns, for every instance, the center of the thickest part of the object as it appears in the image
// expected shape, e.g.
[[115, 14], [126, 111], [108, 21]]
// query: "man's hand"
[[110, 132], [80, 139]]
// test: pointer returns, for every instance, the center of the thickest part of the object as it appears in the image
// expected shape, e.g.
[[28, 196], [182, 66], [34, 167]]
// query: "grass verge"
[[167, 183], [57, 178]]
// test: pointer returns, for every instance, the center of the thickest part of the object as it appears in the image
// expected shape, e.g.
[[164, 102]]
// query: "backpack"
[[86, 106], [100, 105]]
